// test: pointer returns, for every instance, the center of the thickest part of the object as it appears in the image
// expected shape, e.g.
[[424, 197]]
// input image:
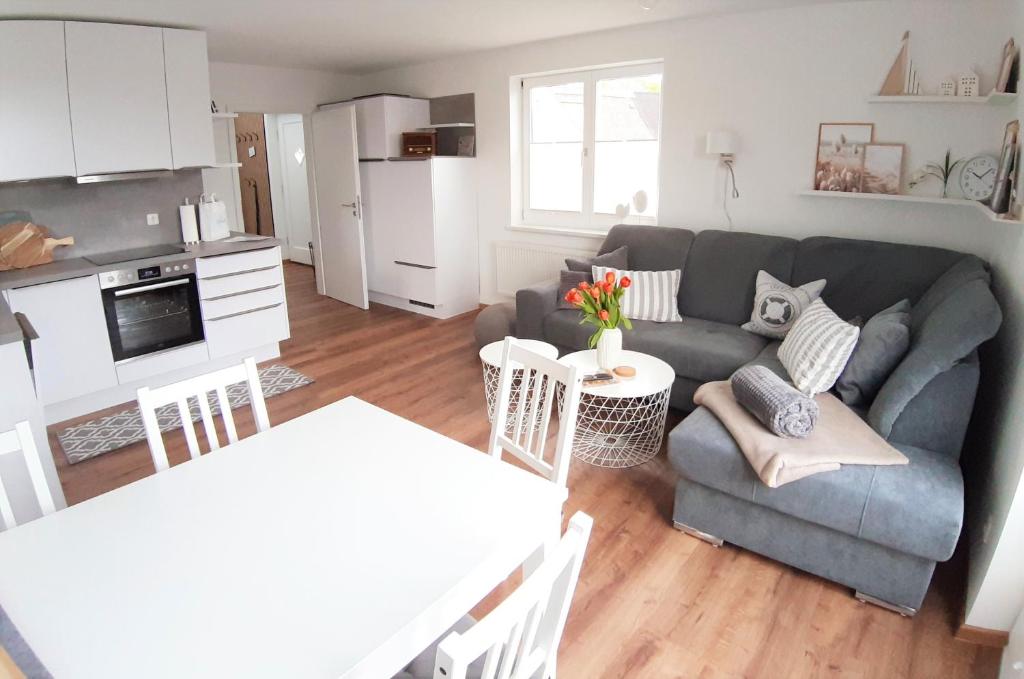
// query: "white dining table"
[[338, 544]]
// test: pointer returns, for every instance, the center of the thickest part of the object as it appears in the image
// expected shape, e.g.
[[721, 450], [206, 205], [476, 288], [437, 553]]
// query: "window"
[[591, 141]]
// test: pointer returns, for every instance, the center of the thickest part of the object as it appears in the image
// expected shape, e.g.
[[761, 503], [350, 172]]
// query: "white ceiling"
[[361, 36]]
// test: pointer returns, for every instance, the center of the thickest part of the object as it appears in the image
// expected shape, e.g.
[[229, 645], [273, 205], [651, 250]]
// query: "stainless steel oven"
[[152, 308]]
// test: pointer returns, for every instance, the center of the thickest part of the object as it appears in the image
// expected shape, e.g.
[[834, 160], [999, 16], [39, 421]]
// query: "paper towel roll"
[[189, 225]]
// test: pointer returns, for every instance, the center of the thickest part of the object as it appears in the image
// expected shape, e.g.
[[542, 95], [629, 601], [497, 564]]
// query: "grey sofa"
[[879, 530]]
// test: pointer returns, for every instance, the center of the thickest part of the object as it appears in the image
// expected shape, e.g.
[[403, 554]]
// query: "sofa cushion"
[[696, 349], [956, 327], [721, 272], [651, 296], [967, 269], [817, 348], [883, 343], [866, 276], [651, 248], [915, 508], [777, 306], [616, 259]]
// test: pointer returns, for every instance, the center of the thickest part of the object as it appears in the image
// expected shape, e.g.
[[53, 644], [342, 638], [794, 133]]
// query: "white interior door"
[[292, 142], [336, 172]]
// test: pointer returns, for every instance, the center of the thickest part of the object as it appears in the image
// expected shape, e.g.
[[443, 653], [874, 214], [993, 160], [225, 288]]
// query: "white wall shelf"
[[442, 125], [961, 202], [224, 115], [219, 165], [993, 99]]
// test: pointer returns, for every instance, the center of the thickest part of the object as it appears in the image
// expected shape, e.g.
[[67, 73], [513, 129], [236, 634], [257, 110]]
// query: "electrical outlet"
[[152, 219]]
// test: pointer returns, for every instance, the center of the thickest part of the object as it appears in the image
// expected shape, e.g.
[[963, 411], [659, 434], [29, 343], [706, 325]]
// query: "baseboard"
[[981, 636]]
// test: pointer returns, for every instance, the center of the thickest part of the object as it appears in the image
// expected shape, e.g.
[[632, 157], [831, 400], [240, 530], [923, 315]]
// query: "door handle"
[[356, 207]]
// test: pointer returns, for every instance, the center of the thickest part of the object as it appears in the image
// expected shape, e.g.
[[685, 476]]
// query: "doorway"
[[286, 152]]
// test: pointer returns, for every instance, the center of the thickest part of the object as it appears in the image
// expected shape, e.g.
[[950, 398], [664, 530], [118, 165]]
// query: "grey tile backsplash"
[[105, 217]]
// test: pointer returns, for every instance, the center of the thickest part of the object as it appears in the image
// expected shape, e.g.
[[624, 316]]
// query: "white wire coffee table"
[[490, 357], [622, 424]]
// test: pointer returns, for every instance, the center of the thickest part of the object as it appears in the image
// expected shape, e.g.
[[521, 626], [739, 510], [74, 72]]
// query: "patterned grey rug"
[[96, 437]]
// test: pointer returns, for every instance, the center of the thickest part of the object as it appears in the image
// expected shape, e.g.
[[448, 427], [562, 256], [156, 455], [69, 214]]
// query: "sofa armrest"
[[533, 304]]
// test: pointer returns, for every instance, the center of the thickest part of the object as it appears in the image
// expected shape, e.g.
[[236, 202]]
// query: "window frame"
[[586, 218]]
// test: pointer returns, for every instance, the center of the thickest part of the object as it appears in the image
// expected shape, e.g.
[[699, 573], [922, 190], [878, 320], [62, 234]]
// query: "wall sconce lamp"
[[723, 144]]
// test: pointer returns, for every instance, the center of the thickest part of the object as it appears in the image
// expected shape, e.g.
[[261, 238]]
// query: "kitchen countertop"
[[76, 267]]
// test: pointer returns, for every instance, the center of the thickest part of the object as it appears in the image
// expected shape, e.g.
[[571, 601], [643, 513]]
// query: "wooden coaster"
[[625, 372]]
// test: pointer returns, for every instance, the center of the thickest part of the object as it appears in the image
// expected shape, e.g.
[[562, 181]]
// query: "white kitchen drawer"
[[247, 330], [213, 288], [246, 301], [142, 367], [237, 263], [417, 283]]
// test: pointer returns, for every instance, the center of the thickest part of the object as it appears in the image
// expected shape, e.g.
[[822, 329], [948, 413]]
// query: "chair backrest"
[[20, 440], [199, 388], [529, 382], [519, 639]]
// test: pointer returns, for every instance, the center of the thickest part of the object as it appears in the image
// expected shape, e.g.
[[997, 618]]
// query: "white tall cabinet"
[[421, 234], [35, 123], [118, 96]]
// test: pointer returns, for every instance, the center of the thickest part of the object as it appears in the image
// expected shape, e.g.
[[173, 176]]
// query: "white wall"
[[771, 77], [265, 89], [995, 584]]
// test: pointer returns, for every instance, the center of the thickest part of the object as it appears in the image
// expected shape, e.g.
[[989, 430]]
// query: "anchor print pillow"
[[777, 305]]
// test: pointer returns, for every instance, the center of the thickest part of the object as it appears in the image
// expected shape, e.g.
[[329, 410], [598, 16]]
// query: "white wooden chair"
[[20, 440], [200, 387], [519, 639], [527, 437]]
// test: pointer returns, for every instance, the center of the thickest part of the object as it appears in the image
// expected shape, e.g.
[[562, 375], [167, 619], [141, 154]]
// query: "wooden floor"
[[652, 602]]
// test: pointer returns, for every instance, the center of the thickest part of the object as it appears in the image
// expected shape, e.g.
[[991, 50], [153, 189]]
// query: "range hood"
[[122, 176]]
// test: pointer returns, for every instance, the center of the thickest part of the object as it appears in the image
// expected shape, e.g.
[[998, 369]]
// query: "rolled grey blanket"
[[778, 405]]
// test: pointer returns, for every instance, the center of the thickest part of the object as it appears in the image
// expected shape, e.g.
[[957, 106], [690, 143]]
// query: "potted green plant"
[[601, 305]]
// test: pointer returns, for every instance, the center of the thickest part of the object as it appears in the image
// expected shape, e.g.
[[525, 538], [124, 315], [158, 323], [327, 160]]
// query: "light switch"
[[152, 219], [252, 151]]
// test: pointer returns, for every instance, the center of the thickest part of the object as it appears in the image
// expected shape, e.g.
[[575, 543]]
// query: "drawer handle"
[[242, 292], [415, 266], [238, 273], [243, 313]]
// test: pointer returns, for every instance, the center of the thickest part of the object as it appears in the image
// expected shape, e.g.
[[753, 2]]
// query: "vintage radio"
[[419, 143]]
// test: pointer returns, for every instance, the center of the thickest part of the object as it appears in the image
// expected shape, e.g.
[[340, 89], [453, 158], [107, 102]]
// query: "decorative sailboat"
[[896, 82]]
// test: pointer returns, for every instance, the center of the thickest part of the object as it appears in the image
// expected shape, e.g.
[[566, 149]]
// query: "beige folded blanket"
[[839, 438]]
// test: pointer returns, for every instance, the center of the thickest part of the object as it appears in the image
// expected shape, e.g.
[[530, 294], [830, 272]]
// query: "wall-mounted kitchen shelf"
[[993, 99], [961, 202], [226, 165], [443, 125], [217, 116]]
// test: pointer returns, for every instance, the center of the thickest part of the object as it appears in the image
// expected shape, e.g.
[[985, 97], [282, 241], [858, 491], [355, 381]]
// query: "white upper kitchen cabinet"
[[188, 98], [381, 120], [35, 125], [72, 356], [118, 96]]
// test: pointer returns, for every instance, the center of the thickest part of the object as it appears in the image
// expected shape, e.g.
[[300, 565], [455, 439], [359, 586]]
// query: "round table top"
[[491, 353], [652, 374]]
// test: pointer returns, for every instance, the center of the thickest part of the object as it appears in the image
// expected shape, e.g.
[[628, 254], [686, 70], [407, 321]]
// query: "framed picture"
[[1001, 197], [883, 169], [840, 159]]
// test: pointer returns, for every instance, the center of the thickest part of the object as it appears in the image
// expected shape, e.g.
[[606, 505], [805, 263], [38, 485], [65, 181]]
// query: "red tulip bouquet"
[[600, 304]]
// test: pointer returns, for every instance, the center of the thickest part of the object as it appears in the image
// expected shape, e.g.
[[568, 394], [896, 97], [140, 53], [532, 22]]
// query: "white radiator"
[[520, 265]]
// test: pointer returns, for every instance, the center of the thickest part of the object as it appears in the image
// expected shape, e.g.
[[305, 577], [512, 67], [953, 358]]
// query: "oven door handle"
[[147, 288]]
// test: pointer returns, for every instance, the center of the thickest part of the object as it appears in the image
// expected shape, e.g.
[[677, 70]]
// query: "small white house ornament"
[[947, 88], [968, 84]]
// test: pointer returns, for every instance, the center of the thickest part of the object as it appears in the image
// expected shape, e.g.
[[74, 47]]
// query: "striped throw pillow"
[[653, 295], [817, 348]]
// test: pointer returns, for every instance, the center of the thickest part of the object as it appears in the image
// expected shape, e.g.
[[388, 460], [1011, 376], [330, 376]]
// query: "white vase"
[[609, 346]]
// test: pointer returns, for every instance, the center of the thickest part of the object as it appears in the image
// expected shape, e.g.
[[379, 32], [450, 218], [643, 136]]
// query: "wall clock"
[[978, 177]]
